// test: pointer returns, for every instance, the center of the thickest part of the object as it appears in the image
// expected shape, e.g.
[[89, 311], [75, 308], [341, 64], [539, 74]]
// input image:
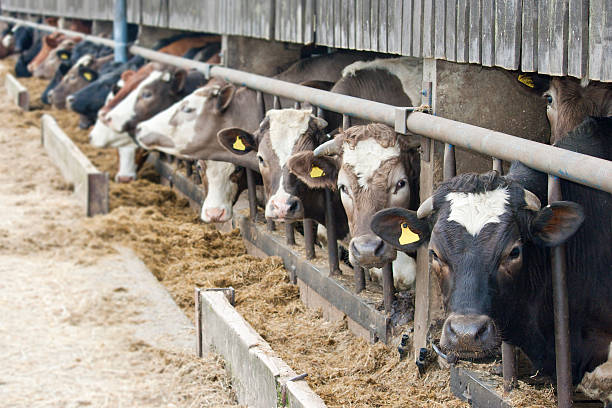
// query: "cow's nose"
[[370, 251], [215, 214], [293, 204], [469, 334], [50, 96], [286, 207], [69, 99]]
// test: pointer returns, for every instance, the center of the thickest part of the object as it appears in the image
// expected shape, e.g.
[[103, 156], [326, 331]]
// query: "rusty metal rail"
[[576, 167]]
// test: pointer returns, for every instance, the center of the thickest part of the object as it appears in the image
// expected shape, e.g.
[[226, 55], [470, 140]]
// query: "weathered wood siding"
[[556, 37]]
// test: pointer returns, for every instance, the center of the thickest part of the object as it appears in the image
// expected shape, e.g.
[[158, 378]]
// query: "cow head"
[[224, 181], [282, 133], [78, 76], [153, 94], [569, 101], [56, 56], [484, 234], [189, 127], [373, 169]]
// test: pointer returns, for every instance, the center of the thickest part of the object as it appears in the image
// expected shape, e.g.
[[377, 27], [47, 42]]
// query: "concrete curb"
[[90, 185], [260, 378], [18, 93]]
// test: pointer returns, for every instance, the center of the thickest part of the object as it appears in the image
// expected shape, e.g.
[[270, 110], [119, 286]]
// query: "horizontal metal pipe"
[[577, 167], [580, 168]]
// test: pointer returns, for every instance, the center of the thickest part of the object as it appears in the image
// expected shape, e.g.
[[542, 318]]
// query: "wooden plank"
[[90, 185], [374, 27], [352, 24], [440, 24], [463, 29], [338, 21], [544, 29], [360, 24], [321, 23], [346, 22], [488, 32], [394, 26], [18, 93], [366, 24], [383, 25], [429, 29], [309, 26], [507, 33], [606, 72], [451, 26], [406, 27], [529, 37], [330, 24], [559, 36], [596, 38], [578, 46], [417, 23]]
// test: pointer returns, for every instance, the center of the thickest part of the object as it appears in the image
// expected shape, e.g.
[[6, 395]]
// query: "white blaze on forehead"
[[221, 190], [475, 210], [85, 60], [366, 157], [125, 110], [7, 41], [286, 127]]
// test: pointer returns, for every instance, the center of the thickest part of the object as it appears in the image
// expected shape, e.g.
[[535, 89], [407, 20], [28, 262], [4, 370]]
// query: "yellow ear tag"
[[407, 237], [526, 79], [64, 56], [87, 76], [238, 145], [316, 172]]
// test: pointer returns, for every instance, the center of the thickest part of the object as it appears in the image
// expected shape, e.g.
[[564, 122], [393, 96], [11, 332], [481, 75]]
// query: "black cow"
[[24, 38], [488, 242], [21, 66]]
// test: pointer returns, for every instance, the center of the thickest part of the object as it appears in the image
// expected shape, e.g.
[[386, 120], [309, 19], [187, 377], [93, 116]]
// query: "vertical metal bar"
[[388, 287], [450, 168], [261, 105], [309, 237], [189, 167], [198, 321], [508, 366], [277, 104], [120, 30], [346, 122], [332, 245], [561, 311], [497, 165], [289, 233], [252, 194], [359, 278], [297, 105]]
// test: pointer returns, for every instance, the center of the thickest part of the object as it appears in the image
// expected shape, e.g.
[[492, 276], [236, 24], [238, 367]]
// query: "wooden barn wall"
[[556, 37]]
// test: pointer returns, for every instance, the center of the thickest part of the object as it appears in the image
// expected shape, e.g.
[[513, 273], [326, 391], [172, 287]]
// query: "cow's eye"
[[261, 160], [515, 253], [188, 109], [343, 189], [549, 99], [400, 184], [147, 94], [433, 255]]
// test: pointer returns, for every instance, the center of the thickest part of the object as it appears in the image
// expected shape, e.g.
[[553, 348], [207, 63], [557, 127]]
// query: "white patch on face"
[[103, 136], [407, 69], [7, 41], [221, 191], [366, 158], [185, 113], [85, 60], [125, 110], [475, 210], [277, 206], [286, 127], [127, 161]]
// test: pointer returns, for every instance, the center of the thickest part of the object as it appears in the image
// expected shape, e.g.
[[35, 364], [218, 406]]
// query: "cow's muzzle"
[[370, 251], [469, 335], [286, 208]]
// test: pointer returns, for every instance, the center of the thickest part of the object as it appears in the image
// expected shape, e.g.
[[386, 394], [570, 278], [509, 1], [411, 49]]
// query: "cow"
[[21, 66], [49, 43], [161, 88], [189, 128], [569, 101], [488, 237], [61, 53], [19, 39], [372, 168], [81, 74]]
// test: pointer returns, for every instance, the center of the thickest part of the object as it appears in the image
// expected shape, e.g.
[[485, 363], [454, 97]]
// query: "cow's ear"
[[401, 228], [556, 222], [237, 141], [225, 96], [87, 74], [64, 55], [178, 80], [314, 171], [534, 82]]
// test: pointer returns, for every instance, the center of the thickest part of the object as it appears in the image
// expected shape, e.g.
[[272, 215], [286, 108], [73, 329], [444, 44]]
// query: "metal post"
[[508, 366], [277, 104], [120, 31], [359, 274], [497, 165], [388, 287], [332, 244], [198, 321], [189, 169], [309, 237], [261, 105], [290, 233], [252, 194], [561, 311], [450, 168]]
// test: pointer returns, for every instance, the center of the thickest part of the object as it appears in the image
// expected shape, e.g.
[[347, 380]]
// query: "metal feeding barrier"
[[576, 167]]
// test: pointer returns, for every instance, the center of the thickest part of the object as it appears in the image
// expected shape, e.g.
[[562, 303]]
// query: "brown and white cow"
[[373, 168], [189, 128], [283, 133], [46, 69], [570, 101], [49, 43]]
